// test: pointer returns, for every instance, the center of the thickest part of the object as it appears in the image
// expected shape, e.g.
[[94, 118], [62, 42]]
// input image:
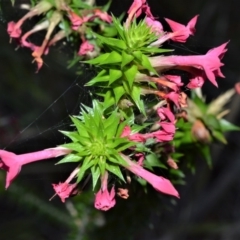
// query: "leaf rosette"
[[97, 142]]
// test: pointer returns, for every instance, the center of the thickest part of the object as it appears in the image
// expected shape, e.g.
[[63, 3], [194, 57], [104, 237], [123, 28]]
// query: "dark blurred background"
[[33, 107]]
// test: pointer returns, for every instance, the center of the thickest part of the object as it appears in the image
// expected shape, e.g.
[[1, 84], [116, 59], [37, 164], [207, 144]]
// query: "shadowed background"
[[33, 107]]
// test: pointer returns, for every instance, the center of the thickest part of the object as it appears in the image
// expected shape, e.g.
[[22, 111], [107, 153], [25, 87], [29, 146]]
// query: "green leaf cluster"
[[216, 126], [126, 55], [97, 142]]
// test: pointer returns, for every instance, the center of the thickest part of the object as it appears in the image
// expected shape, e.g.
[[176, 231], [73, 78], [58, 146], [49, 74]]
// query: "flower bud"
[[123, 193], [200, 132], [172, 164]]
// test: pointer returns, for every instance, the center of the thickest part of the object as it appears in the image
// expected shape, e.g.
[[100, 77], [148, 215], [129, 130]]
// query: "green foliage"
[[97, 142], [126, 56], [212, 124]]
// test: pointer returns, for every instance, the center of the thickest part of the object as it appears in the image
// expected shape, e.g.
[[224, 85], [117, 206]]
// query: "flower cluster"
[[124, 134], [68, 19]]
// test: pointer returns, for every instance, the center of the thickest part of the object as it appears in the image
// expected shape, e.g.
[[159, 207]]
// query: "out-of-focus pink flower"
[[140, 157], [57, 37], [237, 88], [163, 82], [168, 127], [102, 15], [14, 29], [104, 200], [195, 82], [136, 9], [13, 163], [77, 21], [162, 136], [210, 62], [39, 51], [174, 97], [38, 27], [181, 32], [165, 113], [123, 193], [159, 183], [85, 48], [155, 25], [65, 190], [174, 78], [126, 131], [135, 137]]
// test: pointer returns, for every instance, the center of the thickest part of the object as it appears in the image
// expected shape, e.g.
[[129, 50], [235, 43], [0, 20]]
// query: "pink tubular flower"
[[162, 136], [195, 82], [165, 113], [85, 48], [168, 127], [13, 163], [155, 26], [76, 20], [174, 97], [136, 9], [102, 15], [14, 29], [103, 199], [135, 137], [58, 36], [38, 27], [174, 78], [39, 51], [181, 32], [209, 63], [159, 183], [64, 190], [161, 81], [141, 158]]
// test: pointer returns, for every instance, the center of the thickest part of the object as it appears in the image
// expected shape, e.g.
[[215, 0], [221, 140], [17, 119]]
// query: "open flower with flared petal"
[[210, 63], [13, 163], [180, 31], [160, 184], [64, 190], [104, 200]]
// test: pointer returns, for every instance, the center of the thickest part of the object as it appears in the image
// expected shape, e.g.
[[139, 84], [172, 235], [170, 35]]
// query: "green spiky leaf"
[[130, 75], [227, 126], [219, 136], [70, 158], [115, 170], [95, 175], [114, 75], [126, 59]]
